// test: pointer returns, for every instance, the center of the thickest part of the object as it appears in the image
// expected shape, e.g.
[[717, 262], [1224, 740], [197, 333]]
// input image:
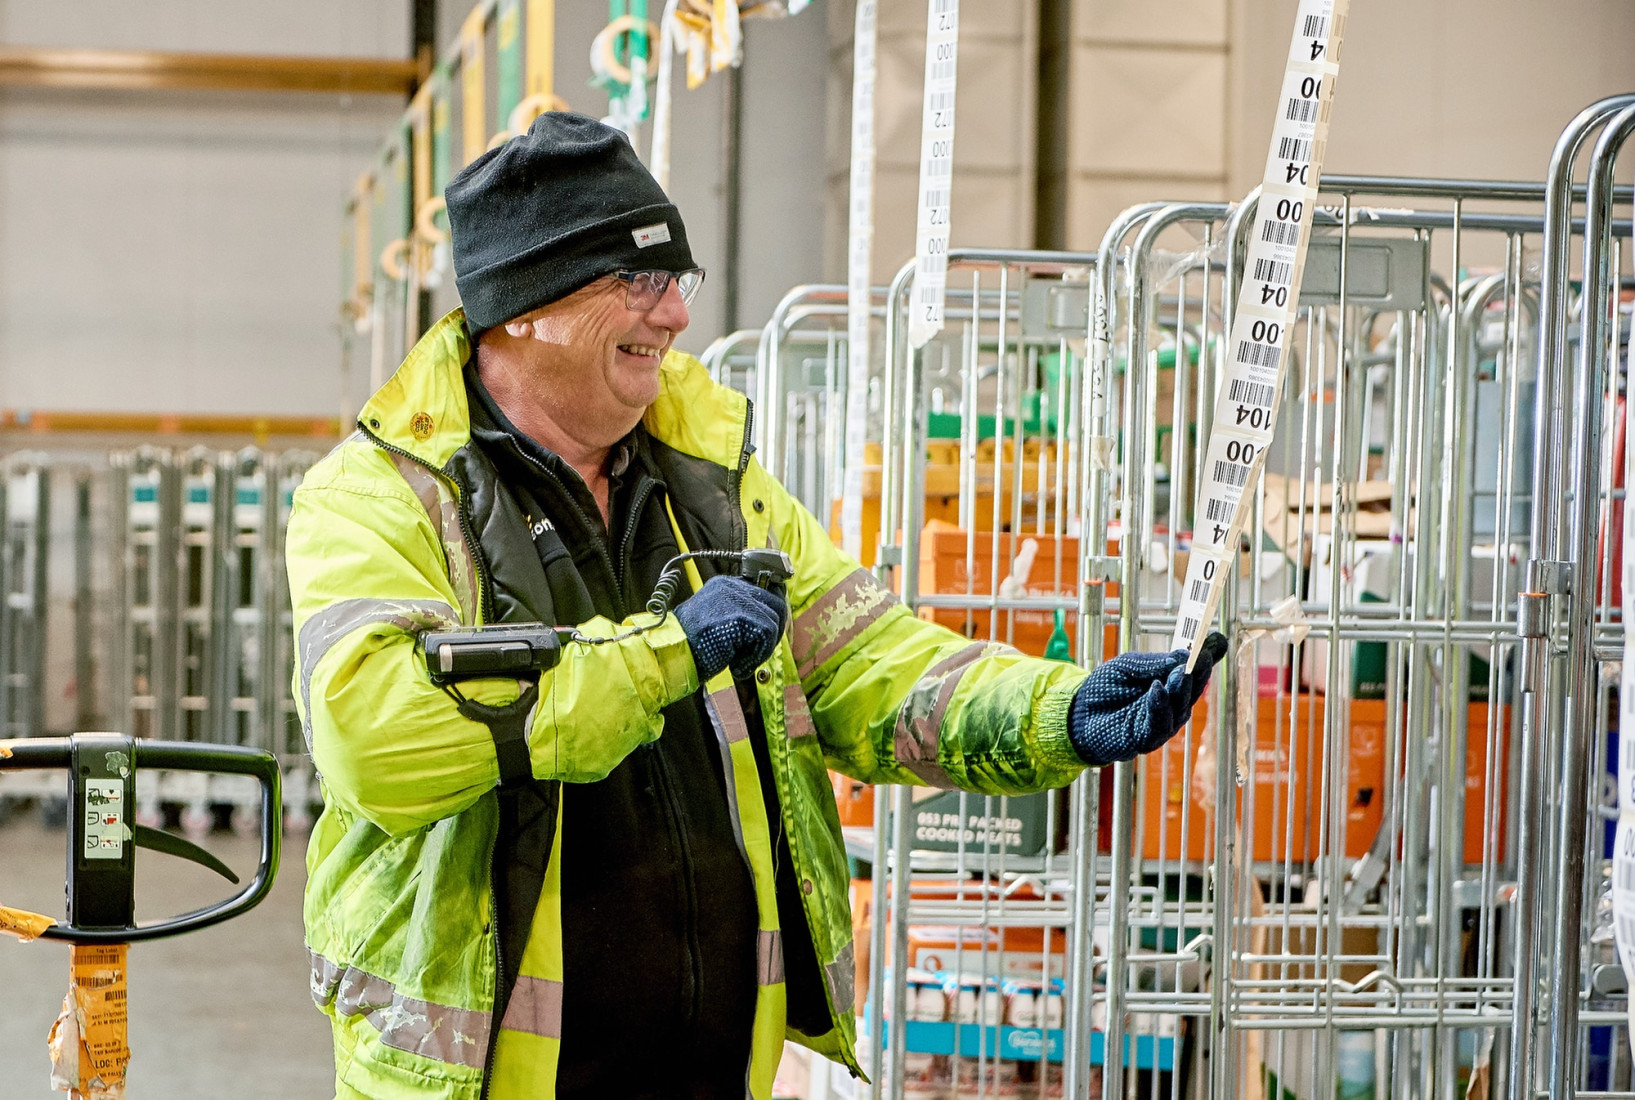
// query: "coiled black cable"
[[663, 597]]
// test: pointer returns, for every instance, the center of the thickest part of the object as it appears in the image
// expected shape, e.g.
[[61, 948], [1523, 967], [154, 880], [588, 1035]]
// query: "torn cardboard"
[[1292, 531]]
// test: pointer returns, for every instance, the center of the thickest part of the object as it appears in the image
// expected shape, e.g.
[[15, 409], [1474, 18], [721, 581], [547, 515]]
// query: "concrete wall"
[[176, 252], [179, 252], [1173, 99], [1472, 88], [1148, 116], [993, 136]]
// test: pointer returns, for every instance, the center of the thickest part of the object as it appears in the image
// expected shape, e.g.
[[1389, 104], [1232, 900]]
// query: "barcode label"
[[1252, 393], [1218, 510], [1301, 110], [1258, 355], [943, 7], [1274, 271], [1198, 591], [941, 101], [1189, 629], [1284, 233], [942, 70], [1230, 473], [1293, 148], [1315, 26], [937, 197]]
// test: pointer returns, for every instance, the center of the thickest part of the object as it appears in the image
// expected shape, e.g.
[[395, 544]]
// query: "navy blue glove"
[[1137, 701], [731, 623]]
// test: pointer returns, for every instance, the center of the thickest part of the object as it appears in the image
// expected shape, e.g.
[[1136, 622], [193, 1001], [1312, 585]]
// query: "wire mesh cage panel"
[[201, 648], [731, 359], [246, 554], [25, 527], [142, 694], [978, 897], [800, 384], [1319, 882], [301, 796], [1354, 872]]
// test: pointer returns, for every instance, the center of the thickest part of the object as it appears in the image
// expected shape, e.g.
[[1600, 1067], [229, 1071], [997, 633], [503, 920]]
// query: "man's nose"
[[671, 311]]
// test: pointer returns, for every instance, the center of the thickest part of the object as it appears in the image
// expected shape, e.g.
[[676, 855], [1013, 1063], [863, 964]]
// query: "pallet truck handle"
[[61, 752]]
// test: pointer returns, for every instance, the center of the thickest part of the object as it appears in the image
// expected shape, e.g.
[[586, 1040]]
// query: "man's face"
[[597, 359]]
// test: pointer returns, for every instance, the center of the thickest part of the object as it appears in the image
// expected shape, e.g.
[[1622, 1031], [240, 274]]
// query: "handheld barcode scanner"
[[89, 1050], [528, 649]]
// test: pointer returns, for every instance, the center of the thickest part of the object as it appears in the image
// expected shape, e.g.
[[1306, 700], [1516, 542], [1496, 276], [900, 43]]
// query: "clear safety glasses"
[[644, 289]]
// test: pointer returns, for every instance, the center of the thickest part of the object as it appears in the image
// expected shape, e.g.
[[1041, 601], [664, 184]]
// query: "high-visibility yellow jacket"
[[402, 919]]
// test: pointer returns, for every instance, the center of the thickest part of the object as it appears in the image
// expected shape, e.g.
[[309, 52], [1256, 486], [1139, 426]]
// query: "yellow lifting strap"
[[755, 834], [530, 1042]]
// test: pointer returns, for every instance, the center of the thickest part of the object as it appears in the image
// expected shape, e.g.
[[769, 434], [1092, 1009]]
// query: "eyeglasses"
[[644, 289]]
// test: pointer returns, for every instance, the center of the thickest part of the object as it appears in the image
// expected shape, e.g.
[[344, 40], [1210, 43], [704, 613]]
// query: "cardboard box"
[[1281, 792], [944, 570], [1016, 828], [1286, 781], [854, 799]]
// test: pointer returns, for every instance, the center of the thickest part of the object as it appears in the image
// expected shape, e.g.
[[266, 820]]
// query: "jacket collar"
[[421, 410]]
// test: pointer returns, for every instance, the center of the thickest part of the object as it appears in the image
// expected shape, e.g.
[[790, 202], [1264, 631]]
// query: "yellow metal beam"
[[40, 422], [41, 67]]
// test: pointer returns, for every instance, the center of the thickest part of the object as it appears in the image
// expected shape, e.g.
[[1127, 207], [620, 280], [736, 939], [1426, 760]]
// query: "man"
[[625, 878]]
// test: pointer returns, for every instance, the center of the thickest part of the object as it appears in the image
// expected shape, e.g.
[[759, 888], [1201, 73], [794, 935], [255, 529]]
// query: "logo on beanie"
[[649, 235]]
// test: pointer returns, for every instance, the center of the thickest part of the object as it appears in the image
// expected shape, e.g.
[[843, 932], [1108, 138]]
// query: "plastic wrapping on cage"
[[1623, 847], [1165, 267]]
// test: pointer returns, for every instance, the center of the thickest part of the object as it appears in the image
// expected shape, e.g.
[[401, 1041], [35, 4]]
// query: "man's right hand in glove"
[[731, 623]]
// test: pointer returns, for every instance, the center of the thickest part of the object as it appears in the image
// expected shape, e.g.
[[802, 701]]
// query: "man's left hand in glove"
[[1135, 702]]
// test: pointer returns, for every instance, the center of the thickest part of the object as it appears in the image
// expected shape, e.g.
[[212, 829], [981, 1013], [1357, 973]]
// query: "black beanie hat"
[[551, 211]]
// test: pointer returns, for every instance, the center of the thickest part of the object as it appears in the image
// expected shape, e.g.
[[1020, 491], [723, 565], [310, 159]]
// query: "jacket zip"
[[643, 491], [584, 520], [744, 451], [499, 961], [485, 590], [695, 978]]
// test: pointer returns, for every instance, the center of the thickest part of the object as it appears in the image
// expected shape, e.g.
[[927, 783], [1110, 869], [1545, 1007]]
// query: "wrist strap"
[[509, 725]]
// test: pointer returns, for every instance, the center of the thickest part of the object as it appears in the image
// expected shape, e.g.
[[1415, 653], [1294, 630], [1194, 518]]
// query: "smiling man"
[[623, 877]]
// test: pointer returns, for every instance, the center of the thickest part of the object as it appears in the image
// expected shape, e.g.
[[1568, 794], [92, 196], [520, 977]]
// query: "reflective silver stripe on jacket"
[[727, 717], [841, 976], [444, 513], [455, 1036], [919, 719], [768, 957], [535, 1007], [320, 633], [837, 618], [797, 715]]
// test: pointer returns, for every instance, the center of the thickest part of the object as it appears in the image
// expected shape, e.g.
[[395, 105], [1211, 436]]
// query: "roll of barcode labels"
[[1246, 404], [936, 172]]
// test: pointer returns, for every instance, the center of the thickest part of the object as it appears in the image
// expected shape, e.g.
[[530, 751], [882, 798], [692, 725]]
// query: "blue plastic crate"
[[1024, 1044]]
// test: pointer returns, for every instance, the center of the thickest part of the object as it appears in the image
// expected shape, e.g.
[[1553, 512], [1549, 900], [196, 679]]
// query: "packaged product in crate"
[[1033, 1002], [975, 1076], [975, 1000]]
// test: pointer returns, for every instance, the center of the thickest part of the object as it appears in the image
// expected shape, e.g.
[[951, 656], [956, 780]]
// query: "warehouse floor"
[[222, 1012]]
